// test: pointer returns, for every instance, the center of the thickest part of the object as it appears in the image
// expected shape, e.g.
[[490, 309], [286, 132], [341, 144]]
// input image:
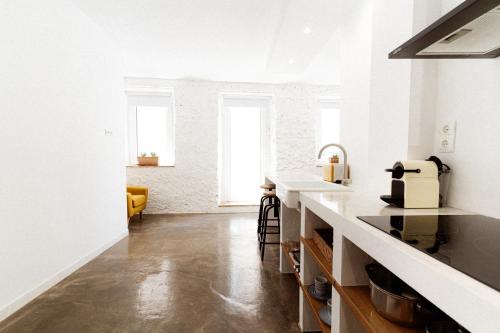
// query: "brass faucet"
[[345, 180]]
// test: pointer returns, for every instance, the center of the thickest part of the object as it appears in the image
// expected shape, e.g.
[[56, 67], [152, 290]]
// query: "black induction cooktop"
[[468, 243]]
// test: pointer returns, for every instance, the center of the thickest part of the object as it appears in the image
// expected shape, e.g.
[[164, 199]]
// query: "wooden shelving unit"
[[286, 249], [316, 306], [323, 263], [358, 300]]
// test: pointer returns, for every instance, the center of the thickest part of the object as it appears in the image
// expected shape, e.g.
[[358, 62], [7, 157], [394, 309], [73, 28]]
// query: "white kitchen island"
[[289, 185], [471, 303]]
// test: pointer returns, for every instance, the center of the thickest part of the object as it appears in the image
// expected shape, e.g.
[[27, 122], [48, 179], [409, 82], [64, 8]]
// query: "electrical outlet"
[[448, 128], [447, 137], [444, 145], [108, 132]]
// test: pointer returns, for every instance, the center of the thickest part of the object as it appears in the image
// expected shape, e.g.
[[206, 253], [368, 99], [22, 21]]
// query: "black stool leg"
[[278, 205], [264, 231], [263, 225], [261, 208], [277, 208]]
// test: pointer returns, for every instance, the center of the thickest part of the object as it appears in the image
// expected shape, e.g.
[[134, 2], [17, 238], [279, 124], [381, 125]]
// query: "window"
[[245, 144], [328, 125], [151, 128]]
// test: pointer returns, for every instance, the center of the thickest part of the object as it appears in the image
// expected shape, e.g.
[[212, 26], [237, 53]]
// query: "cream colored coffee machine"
[[415, 183]]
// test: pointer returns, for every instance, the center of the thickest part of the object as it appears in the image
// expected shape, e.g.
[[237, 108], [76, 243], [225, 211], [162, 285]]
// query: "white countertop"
[[290, 183], [293, 175], [352, 204], [472, 303]]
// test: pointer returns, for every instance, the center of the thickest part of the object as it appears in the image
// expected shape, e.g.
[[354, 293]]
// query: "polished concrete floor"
[[174, 273]]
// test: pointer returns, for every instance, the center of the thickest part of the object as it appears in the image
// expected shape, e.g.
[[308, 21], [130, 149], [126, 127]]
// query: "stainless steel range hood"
[[471, 30]]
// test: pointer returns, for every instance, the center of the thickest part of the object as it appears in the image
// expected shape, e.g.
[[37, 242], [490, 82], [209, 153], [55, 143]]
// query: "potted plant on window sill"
[[145, 160]]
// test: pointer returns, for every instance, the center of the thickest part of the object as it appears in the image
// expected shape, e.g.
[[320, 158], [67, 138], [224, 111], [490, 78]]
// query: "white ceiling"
[[223, 40]]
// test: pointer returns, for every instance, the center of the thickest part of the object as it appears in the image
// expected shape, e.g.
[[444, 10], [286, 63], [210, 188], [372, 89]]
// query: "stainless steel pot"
[[395, 300]]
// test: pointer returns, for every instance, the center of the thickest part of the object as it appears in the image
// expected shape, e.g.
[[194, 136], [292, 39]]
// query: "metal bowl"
[[395, 300]]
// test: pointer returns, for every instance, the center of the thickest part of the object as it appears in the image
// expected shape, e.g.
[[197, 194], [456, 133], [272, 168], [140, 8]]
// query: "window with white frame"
[[245, 146], [328, 123], [151, 128]]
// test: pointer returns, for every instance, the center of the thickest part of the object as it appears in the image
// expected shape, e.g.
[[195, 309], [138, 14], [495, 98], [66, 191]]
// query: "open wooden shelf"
[[323, 263], [286, 249], [316, 306], [358, 300]]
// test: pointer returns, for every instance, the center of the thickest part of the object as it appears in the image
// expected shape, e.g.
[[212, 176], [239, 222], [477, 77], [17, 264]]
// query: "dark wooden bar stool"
[[263, 227], [267, 188]]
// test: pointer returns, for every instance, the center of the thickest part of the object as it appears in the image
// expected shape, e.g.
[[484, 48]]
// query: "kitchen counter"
[[289, 185], [352, 204], [356, 243], [294, 175]]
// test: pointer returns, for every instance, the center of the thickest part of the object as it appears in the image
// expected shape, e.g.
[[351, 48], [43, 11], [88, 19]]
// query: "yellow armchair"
[[137, 199]]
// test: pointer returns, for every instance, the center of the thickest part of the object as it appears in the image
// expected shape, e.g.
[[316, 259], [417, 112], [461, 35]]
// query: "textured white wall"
[[192, 185], [62, 197], [295, 108]]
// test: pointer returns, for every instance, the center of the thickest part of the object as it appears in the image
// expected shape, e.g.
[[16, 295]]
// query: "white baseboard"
[[28, 296]]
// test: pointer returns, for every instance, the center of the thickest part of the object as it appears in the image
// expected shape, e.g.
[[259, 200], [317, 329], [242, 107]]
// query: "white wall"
[[468, 94], [355, 21], [192, 185], [392, 108], [375, 90], [423, 88], [390, 87], [464, 91], [62, 181]]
